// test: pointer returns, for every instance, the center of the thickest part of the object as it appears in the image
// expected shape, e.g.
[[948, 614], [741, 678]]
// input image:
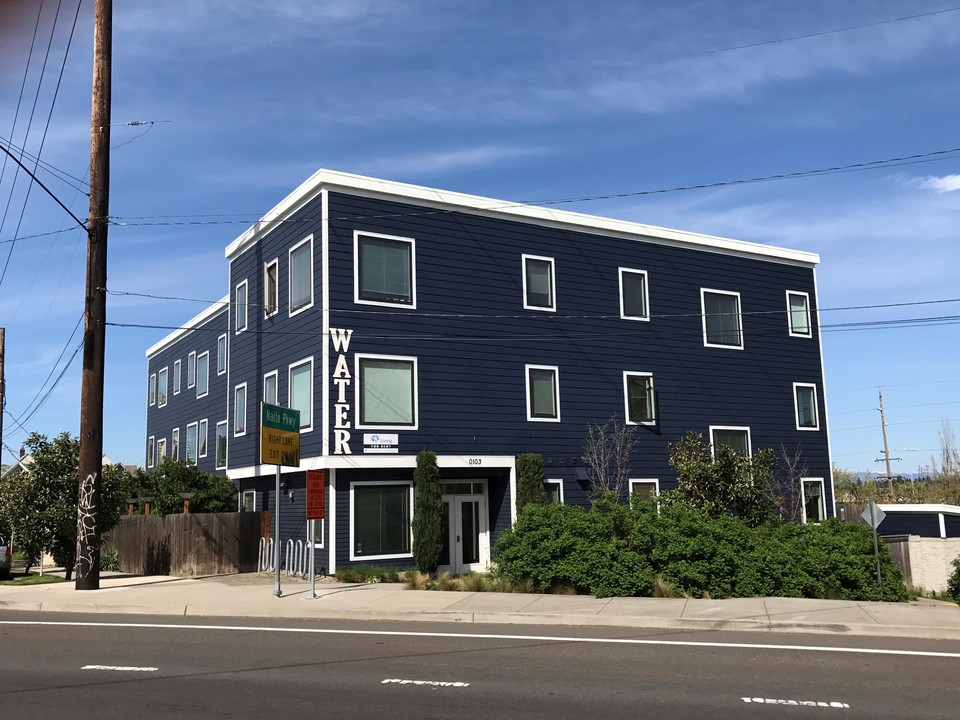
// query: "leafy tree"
[[427, 513], [530, 480], [40, 505], [211, 492], [724, 482]]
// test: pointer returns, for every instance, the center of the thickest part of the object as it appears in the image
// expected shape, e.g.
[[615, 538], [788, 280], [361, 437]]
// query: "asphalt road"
[[100, 666]]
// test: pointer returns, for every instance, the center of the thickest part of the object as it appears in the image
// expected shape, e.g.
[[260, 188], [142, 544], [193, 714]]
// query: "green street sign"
[[279, 435]]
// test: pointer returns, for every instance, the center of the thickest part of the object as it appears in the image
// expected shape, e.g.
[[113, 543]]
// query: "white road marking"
[[431, 683], [797, 703], [489, 636], [120, 668]]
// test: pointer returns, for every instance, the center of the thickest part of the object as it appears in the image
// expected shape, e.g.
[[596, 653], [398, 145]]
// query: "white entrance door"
[[466, 545]]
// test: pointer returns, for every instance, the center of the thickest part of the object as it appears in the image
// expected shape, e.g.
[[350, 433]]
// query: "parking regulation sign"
[[316, 479]]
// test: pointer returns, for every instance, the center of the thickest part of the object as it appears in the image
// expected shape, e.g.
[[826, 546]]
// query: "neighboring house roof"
[[920, 508], [18, 467], [23, 464]]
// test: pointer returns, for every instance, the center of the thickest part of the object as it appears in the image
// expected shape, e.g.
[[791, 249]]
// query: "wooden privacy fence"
[[184, 545]]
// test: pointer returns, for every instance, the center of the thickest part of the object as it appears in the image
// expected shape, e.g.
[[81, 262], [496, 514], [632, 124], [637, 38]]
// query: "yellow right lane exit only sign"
[[279, 435]]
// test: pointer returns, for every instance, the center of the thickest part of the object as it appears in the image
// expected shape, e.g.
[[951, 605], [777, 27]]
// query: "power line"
[[850, 167], [515, 316], [46, 129], [60, 174], [52, 370]]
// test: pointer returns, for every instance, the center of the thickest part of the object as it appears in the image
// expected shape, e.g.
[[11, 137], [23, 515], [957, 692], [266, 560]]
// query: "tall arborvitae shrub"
[[530, 480], [427, 513]]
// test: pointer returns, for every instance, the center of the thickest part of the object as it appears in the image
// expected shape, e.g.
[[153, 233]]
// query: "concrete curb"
[[317, 612]]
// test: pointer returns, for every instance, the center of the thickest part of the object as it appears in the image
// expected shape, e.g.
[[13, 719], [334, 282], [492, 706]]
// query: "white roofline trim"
[[442, 199], [191, 325]]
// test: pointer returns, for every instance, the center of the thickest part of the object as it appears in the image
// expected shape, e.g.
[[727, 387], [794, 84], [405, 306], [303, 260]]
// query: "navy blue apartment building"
[[398, 318]]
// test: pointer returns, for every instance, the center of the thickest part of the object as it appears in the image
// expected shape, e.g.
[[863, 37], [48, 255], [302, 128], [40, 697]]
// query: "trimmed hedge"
[[618, 550]]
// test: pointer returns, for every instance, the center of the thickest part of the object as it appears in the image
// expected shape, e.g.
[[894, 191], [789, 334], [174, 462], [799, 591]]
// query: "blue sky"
[[524, 101]]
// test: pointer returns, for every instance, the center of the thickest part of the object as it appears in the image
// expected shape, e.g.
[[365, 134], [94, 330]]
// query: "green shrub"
[[109, 559], [679, 548], [427, 524], [530, 480], [366, 574], [557, 544], [953, 584]]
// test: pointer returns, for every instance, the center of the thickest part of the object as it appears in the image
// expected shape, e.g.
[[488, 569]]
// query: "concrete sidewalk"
[[251, 596]]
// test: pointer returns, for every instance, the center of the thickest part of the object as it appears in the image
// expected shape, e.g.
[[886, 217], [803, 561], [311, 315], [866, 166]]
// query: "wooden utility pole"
[[95, 307], [886, 449], [3, 390]]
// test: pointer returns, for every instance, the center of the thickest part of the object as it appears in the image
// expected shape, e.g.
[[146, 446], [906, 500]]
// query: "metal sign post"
[[873, 517], [276, 533], [279, 445]]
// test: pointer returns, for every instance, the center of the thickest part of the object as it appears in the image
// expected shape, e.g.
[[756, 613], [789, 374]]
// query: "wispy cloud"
[[444, 161], [944, 184]]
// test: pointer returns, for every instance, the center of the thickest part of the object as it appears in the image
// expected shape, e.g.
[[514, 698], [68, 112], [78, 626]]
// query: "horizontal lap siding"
[[186, 407], [471, 369], [904, 523], [276, 342]]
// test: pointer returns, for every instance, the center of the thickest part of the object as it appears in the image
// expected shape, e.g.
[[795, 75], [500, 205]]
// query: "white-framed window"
[[300, 275], [247, 501], [543, 393], [270, 396], [191, 369], [162, 386], [203, 374], [539, 283], [240, 307], [722, 325], [634, 294], [736, 437], [176, 377], [222, 354], [175, 443], [152, 389], [386, 391], [805, 406], [202, 435], [191, 456], [221, 448], [161, 449], [798, 314], [638, 398], [318, 532], [812, 500], [645, 488], [271, 294], [151, 449], [300, 391], [240, 409], [380, 514], [553, 489], [385, 269]]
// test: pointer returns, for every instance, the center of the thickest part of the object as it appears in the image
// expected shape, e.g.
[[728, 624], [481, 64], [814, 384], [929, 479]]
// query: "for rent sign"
[[279, 435]]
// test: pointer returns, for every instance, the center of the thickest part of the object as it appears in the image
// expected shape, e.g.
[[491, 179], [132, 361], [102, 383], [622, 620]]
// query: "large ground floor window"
[[380, 520]]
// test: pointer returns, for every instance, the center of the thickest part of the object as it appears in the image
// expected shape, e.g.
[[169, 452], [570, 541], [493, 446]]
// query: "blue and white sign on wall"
[[381, 442]]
